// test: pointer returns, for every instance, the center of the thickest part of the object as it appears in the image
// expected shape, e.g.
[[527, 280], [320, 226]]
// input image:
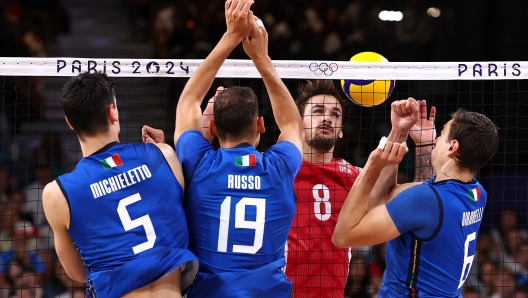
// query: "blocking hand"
[[256, 42], [424, 131], [238, 17], [404, 113]]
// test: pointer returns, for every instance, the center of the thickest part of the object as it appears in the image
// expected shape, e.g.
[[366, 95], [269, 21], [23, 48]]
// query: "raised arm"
[[208, 115], [172, 160], [423, 133], [356, 225], [58, 215], [404, 114], [157, 136], [188, 112], [284, 110]]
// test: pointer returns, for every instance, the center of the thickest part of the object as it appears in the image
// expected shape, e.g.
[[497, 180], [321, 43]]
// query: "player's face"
[[323, 120], [438, 154]]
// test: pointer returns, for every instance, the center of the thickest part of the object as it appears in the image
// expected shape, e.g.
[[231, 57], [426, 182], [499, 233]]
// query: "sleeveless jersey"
[[239, 206], [316, 267], [438, 266], [129, 231]]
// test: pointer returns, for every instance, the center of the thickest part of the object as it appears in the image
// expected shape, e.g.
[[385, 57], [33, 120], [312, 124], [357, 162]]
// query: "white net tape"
[[513, 70]]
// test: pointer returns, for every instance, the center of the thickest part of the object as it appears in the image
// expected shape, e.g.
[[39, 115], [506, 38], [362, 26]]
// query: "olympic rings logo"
[[323, 68]]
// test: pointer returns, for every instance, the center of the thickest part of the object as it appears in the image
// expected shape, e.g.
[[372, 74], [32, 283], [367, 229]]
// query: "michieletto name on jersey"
[[120, 181]]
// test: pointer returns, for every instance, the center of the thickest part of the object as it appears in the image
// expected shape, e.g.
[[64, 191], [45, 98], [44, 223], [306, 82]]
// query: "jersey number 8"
[[322, 200]]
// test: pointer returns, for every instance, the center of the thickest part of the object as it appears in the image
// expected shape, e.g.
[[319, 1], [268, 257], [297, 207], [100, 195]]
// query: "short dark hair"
[[85, 99], [318, 87], [235, 110], [478, 137]]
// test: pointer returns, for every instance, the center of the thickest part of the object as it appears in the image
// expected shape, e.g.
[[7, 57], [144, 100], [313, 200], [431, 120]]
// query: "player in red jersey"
[[316, 267]]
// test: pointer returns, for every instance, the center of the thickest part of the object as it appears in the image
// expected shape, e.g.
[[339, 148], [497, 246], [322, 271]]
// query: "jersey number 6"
[[242, 223], [468, 259]]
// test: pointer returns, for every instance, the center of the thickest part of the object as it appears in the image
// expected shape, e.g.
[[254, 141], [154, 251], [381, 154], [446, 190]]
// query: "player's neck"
[[452, 172], [234, 143], [231, 142], [312, 155], [92, 144]]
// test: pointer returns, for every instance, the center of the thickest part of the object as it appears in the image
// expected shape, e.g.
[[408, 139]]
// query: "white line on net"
[[295, 69]]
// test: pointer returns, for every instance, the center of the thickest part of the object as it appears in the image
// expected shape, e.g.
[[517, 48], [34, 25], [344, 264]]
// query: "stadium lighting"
[[434, 12], [389, 15]]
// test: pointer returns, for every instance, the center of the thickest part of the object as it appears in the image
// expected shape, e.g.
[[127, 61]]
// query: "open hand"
[[424, 131], [238, 17], [256, 42]]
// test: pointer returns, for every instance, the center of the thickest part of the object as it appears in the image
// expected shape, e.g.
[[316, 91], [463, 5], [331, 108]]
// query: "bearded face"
[[320, 142], [322, 122]]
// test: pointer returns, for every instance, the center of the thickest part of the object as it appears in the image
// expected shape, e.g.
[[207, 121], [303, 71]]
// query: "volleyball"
[[368, 93]]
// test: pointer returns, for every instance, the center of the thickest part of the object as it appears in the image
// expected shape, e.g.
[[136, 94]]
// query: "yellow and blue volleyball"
[[368, 93]]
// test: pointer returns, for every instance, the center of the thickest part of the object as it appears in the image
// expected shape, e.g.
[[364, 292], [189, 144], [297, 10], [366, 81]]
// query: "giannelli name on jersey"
[[120, 181], [471, 217]]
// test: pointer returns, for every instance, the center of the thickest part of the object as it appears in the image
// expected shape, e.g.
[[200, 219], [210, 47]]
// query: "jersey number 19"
[[242, 223]]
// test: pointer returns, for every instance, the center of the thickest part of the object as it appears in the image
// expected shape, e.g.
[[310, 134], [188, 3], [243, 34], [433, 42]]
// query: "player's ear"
[[68, 122], [260, 125], [454, 147], [212, 128], [340, 135], [112, 113]]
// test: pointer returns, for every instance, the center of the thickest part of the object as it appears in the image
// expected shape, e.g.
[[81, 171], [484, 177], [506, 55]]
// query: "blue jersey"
[[127, 219], [439, 224], [239, 205]]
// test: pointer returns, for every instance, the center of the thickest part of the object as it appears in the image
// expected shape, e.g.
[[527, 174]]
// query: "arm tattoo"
[[423, 169]]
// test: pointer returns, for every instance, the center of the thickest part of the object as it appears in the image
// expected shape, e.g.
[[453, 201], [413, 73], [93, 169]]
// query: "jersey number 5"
[[130, 224], [324, 200], [242, 223]]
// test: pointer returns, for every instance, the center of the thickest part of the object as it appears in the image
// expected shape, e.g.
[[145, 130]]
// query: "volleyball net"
[[37, 145]]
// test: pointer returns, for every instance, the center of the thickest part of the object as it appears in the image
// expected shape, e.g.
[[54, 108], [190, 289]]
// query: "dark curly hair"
[[317, 87]]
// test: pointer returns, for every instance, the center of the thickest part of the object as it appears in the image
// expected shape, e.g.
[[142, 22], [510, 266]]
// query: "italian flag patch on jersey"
[[111, 162], [246, 160], [474, 194]]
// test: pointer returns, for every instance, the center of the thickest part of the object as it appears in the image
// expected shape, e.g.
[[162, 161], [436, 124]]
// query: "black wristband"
[[425, 145]]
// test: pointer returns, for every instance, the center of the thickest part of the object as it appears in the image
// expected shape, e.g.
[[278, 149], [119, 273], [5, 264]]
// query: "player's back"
[[240, 205], [316, 267], [438, 266], [129, 231]]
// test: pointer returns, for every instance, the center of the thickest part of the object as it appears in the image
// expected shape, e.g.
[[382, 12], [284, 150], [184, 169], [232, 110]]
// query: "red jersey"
[[316, 267]]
